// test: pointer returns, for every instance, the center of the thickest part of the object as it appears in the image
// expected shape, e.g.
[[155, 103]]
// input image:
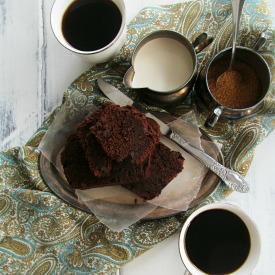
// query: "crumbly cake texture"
[[102, 162], [166, 166], [125, 132], [103, 153], [80, 176], [98, 162]]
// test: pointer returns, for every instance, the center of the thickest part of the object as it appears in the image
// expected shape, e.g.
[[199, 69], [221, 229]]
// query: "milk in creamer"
[[162, 64]]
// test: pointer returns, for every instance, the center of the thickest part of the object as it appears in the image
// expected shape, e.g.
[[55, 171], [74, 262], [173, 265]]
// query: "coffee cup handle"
[[213, 118]]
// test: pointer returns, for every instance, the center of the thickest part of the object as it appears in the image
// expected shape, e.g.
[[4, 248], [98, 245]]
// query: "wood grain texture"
[[19, 71], [35, 70]]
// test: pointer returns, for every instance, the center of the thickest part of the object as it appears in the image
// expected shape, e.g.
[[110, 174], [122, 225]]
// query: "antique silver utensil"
[[233, 179], [237, 6]]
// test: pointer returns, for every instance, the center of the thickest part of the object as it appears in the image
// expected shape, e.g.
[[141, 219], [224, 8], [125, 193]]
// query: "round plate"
[[56, 181]]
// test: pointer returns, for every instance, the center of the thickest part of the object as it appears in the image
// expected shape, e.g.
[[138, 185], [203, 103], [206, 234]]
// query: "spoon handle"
[[237, 6]]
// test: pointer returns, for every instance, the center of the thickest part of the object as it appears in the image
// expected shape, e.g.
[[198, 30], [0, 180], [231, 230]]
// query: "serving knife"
[[231, 178]]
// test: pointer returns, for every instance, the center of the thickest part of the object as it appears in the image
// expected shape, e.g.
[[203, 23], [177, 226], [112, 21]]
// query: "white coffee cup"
[[253, 255], [101, 55]]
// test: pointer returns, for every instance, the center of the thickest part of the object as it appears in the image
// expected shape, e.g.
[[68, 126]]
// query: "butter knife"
[[231, 178]]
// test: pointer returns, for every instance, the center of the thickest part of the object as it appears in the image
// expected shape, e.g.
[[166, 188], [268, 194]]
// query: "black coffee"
[[217, 241], [89, 25]]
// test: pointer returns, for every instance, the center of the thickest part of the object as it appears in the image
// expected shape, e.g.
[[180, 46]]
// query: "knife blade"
[[231, 178]]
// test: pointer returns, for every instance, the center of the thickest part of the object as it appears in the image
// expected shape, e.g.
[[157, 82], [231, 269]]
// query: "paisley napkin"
[[41, 234]]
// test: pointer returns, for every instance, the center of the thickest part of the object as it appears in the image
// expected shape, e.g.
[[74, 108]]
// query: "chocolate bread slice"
[[165, 166], [100, 161], [125, 132]]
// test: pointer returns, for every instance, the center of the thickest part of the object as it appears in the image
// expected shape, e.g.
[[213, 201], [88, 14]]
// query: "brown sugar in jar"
[[238, 88]]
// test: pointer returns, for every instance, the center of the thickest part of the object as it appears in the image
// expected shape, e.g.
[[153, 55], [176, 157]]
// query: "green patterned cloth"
[[41, 234]]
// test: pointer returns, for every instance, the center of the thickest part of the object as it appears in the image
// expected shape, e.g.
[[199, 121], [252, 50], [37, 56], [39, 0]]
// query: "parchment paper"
[[127, 208]]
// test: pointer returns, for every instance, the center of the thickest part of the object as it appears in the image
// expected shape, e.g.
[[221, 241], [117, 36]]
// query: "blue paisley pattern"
[[41, 234]]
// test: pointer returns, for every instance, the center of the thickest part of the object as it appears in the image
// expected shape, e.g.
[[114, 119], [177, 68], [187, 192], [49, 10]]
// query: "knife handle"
[[231, 178]]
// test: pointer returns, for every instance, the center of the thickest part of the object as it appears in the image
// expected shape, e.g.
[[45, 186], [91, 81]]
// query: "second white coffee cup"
[[219, 238], [106, 51]]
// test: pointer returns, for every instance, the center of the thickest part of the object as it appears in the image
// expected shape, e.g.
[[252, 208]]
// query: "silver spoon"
[[237, 6]]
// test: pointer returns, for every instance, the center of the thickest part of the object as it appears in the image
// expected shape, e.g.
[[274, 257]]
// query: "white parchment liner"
[[126, 208]]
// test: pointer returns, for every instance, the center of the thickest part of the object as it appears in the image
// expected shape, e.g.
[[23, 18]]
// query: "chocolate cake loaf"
[[120, 146]]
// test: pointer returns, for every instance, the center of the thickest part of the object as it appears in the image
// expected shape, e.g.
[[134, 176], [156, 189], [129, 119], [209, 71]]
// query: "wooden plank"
[[20, 70]]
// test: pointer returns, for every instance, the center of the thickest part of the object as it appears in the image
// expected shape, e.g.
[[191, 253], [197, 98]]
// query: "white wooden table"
[[35, 70]]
